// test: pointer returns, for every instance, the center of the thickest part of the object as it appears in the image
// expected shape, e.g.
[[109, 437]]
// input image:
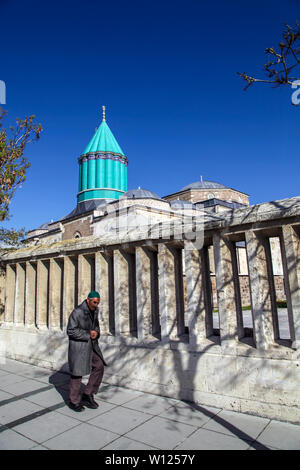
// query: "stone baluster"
[[238, 297], [124, 294], [207, 286], [170, 301], [19, 315], [290, 250], [10, 290], [179, 288], [70, 294], [199, 308], [2, 292], [85, 277], [143, 292], [42, 293], [223, 257], [261, 289], [55, 293], [102, 285], [30, 294]]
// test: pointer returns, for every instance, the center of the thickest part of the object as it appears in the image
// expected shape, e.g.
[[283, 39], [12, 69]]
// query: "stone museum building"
[[200, 291]]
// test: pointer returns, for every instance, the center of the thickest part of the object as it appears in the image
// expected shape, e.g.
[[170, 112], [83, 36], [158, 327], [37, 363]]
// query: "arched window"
[[77, 235], [211, 196]]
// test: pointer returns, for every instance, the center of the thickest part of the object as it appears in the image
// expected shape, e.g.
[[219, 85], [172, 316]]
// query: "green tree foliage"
[[13, 166], [282, 61], [11, 237]]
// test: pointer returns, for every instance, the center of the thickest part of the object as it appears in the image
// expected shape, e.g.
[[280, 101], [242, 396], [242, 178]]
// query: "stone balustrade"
[[157, 312]]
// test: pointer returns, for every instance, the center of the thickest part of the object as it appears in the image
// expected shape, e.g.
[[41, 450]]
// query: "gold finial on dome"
[[103, 112]]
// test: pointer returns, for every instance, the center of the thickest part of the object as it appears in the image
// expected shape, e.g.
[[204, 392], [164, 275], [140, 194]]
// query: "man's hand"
[[93, 334]]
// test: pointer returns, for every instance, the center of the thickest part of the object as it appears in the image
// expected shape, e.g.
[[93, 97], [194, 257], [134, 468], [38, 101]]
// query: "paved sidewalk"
[[34, 415]]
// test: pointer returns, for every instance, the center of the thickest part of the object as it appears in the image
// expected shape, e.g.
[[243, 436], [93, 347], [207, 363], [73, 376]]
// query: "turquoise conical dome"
[[103, 141], [102, 167]]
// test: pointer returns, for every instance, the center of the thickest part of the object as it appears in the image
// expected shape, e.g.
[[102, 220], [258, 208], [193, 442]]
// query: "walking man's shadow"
[[60, 380]]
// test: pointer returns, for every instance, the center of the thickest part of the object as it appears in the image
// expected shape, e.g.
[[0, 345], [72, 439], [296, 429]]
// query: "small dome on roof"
[[86, 206], [139, 193], [44, 226], [182, 204], [204, 185]]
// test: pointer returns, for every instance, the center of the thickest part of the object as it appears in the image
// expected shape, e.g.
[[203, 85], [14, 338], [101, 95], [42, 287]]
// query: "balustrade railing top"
[[262, 216]]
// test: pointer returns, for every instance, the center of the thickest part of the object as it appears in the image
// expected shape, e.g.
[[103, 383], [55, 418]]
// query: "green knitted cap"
[[94, 294]]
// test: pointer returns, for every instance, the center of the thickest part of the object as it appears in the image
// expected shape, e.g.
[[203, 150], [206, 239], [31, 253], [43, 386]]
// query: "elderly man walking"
[[85, 356]]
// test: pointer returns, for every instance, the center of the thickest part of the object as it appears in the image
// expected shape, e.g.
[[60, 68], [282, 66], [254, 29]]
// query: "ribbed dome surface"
[[204, 185], [182, 204], [86, 206], [43, 226], [139, 193]]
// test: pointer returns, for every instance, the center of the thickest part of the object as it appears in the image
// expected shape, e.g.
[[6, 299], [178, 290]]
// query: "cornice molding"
[[103, 156]]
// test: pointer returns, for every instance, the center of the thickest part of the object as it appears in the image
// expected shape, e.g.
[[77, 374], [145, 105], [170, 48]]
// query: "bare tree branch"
[[281, 61]]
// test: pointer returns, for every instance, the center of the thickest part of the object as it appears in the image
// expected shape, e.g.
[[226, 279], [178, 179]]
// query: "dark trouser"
[[93, 384]]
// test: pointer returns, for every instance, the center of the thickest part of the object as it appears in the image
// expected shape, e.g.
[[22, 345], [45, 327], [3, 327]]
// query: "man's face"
[[93, 303]]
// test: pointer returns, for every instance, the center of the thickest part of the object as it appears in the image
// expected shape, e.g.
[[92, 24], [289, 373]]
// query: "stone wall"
[[157, 313]]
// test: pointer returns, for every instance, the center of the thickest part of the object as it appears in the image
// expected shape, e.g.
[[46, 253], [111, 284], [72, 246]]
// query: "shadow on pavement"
[[236, 431], [60, 380]]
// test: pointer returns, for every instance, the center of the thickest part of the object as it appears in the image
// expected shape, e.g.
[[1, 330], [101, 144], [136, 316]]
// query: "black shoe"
[[76, 406], [88, 401]]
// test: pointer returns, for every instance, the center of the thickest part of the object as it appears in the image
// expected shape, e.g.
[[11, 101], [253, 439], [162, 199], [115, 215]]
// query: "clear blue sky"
[[167, 73]]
